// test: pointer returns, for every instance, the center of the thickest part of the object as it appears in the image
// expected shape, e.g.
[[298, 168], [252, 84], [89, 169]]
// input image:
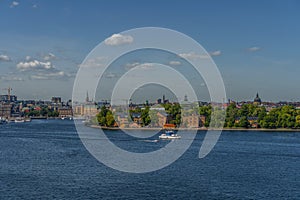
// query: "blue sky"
[[255, 44]]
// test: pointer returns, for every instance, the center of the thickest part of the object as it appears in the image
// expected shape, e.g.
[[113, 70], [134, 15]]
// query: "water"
[[45, 159]]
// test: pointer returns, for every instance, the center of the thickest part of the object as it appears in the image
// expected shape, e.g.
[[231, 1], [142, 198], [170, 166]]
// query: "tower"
[[185, 98], [87, 97]]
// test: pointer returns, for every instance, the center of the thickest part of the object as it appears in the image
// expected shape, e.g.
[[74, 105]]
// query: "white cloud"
[[50, 75], [144, 66], [193, 56], [118, 39], [34, 65], [11, 78], [34, 6], [94, 62], [14, 4], [50, 56], [37, 70], [4, 58], [111, 75], [215, 53], [128, 66], [253, 49], [173, 62]]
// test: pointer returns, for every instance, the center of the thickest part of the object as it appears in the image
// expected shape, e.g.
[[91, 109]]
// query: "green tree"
[[231, 114], [110, 120], [244, 123]]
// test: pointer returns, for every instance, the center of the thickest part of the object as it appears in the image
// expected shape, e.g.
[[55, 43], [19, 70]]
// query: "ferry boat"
[[169, 134]]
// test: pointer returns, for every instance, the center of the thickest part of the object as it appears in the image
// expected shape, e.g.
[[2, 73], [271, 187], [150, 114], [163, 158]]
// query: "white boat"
[[19, 120], [2, 121], [27, 120], [169, 134]]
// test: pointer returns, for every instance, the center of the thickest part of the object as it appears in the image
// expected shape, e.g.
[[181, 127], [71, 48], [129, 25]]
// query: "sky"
[[255, 44]]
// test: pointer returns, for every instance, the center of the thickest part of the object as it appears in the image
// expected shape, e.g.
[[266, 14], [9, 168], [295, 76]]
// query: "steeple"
[[87, 97]]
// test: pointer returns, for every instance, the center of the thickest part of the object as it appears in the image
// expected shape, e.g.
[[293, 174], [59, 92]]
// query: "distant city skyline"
[[254, 44]]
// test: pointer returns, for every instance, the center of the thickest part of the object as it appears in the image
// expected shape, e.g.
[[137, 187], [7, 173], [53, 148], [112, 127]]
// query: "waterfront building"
[[190, 121], [162, 119], [5, 110], [136, 117], [202, 120], [122, 120], [78, 110], [90, 110], [65, 112]]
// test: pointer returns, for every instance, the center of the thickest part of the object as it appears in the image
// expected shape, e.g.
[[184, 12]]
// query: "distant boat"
[[2, 121], [19, 120], [169, 134]]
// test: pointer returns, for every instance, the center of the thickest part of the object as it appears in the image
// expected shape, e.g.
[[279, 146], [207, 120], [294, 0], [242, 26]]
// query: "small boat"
[[2, 121], [19, 120], [169, 134], [27, 120]]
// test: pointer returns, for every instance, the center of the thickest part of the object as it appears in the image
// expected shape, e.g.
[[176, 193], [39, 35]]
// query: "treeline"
[[282, 117], [106, 118], [44, 111], [246, 116]]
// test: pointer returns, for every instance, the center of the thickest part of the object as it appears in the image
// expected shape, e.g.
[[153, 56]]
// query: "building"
[[8, 98], [136, 117], [65, 112], [202, 120], [162, 119], [78, 110], [122, 120], [190, 121], [5, 110], [56, 100], [257, 100], [90, 110]]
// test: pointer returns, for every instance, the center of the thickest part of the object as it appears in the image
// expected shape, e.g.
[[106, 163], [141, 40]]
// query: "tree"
[[244, 123], [101, 116], [153, 117], [206, 111], [110, 120], [231, 114]]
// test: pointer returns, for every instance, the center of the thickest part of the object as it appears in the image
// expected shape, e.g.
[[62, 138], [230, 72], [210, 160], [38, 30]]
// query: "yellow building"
[[190, 121]]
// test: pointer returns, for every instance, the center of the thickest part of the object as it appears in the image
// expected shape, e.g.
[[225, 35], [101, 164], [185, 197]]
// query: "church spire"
[[87, 97]]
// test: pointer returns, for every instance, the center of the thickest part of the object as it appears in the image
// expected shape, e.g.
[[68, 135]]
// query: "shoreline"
[[199, 129]]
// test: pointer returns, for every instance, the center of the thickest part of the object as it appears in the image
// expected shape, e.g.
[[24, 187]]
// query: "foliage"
[[243, 116], [105, 117]]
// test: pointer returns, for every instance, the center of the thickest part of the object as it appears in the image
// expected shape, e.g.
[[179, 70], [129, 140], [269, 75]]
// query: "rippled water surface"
[[45, 159]]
